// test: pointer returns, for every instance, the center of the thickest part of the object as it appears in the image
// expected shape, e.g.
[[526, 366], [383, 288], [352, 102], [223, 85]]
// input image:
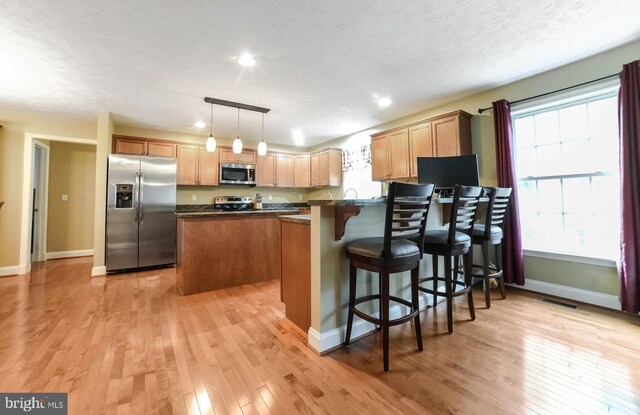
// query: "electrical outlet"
[[194, 197], [65, 198], [299, 197], [330, 195], [270, 197]]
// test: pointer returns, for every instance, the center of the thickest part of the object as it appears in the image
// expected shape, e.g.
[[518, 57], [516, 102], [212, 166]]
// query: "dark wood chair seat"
[[451, 242], [399, 250]]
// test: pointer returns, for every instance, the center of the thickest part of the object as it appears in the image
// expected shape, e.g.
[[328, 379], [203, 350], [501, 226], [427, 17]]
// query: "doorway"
[[39, 198]]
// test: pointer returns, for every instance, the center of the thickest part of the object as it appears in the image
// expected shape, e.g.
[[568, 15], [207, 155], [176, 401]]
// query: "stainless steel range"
[[233, 202]]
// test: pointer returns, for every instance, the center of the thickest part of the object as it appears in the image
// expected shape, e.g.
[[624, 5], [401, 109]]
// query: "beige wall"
[[71, 172], [12, 160]]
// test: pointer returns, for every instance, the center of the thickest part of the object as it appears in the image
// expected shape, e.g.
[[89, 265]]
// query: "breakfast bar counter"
[[334, 223]]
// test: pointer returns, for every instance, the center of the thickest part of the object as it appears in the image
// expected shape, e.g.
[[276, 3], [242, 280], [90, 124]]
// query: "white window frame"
[[597, 90]]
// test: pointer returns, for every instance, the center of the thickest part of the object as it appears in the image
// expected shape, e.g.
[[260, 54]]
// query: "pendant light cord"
[[211, 130], [238, 136], [262, 137]]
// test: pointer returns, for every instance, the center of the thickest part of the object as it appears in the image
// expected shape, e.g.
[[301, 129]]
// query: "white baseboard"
[[99, 271], [68, 254], [323, 342], [571, 293], [15, 270], [24, 268], [4, 271]]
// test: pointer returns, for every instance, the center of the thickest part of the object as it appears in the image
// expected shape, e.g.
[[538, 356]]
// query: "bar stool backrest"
[[497, 209], [406, 215], [463, 210]]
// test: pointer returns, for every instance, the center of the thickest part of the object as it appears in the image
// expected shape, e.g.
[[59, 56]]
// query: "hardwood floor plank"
[[129, 344]]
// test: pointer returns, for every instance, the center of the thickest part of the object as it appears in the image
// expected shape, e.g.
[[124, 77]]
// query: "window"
[[566, 156], [356, 173]]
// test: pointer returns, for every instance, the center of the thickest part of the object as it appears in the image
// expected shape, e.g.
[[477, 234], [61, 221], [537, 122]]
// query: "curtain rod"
[[481, 110]]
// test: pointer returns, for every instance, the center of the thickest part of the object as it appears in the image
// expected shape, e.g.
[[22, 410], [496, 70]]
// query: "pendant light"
[[237, 143], [211, 141], [262, 146]]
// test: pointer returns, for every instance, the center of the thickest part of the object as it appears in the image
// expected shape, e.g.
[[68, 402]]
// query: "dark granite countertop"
[[265, 206], [347, 202], [303, 219], [237, 213]]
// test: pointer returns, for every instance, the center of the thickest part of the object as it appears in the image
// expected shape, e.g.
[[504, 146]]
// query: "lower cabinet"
[[296, 272]]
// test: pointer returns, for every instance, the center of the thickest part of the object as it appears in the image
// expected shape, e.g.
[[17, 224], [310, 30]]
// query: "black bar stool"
[[397, 251], [490, 233], [451, 242]]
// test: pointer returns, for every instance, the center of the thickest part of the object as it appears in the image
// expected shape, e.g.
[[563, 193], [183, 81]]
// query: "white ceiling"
[[320, 64]]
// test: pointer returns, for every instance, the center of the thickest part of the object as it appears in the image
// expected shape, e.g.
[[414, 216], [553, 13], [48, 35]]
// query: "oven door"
[[237, 174]]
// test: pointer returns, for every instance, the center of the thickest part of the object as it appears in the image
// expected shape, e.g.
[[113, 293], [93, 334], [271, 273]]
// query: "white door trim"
[[27, 174], [40, 243]]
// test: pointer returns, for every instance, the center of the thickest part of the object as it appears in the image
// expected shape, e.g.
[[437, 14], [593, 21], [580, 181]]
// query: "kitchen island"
[[225, 249]]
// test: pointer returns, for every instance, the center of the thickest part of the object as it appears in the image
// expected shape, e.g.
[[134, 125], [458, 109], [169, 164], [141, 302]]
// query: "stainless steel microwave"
[[238, 174]]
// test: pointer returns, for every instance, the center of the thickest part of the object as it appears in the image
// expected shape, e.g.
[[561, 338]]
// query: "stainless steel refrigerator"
[[141, 204]]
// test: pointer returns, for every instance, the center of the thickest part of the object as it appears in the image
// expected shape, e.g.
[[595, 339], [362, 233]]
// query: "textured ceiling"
[[320, 65]]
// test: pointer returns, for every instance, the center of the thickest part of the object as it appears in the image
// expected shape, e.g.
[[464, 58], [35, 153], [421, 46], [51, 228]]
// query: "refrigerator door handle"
[[136, 198], [141, 198]]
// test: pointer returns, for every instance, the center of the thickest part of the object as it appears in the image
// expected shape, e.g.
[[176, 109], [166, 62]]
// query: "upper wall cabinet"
[[390, 155], [394, 152], [285, 170], [245, 157], [326, 168], [266, 170], [302, 171], [197, 166], [139, 146]]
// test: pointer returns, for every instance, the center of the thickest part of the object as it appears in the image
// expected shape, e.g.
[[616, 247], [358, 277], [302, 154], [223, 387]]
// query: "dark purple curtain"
[[512, 241], [629, 119]]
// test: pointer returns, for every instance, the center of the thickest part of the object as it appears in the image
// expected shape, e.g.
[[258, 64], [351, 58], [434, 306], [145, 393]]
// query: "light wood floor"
[[129, 344]]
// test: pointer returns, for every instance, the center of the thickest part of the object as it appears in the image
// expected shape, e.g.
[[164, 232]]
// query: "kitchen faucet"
[[344, 195]]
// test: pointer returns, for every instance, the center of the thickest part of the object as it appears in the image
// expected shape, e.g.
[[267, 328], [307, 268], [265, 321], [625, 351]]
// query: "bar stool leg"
[[379, 327], [503, 292], [447, 288], [352, 301], [486, 272], [415, 302], [385, 319], [434, 260], [468, 275]]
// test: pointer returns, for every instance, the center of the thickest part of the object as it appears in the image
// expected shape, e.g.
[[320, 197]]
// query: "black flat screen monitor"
[[446, 172]]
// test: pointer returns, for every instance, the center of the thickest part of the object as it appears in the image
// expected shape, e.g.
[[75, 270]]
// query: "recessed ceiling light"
[[246, 60], [298, 138], [200, 124], [384, 102]]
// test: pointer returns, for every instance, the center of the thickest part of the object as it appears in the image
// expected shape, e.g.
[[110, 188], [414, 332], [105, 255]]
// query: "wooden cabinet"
[[452, 134], [302, 171], [394, 152], [296, 273], [420, 145], [139, 146], [266, 170], [326, 168], [246, 157], [390, 155], [285, 170], [197, 166]]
